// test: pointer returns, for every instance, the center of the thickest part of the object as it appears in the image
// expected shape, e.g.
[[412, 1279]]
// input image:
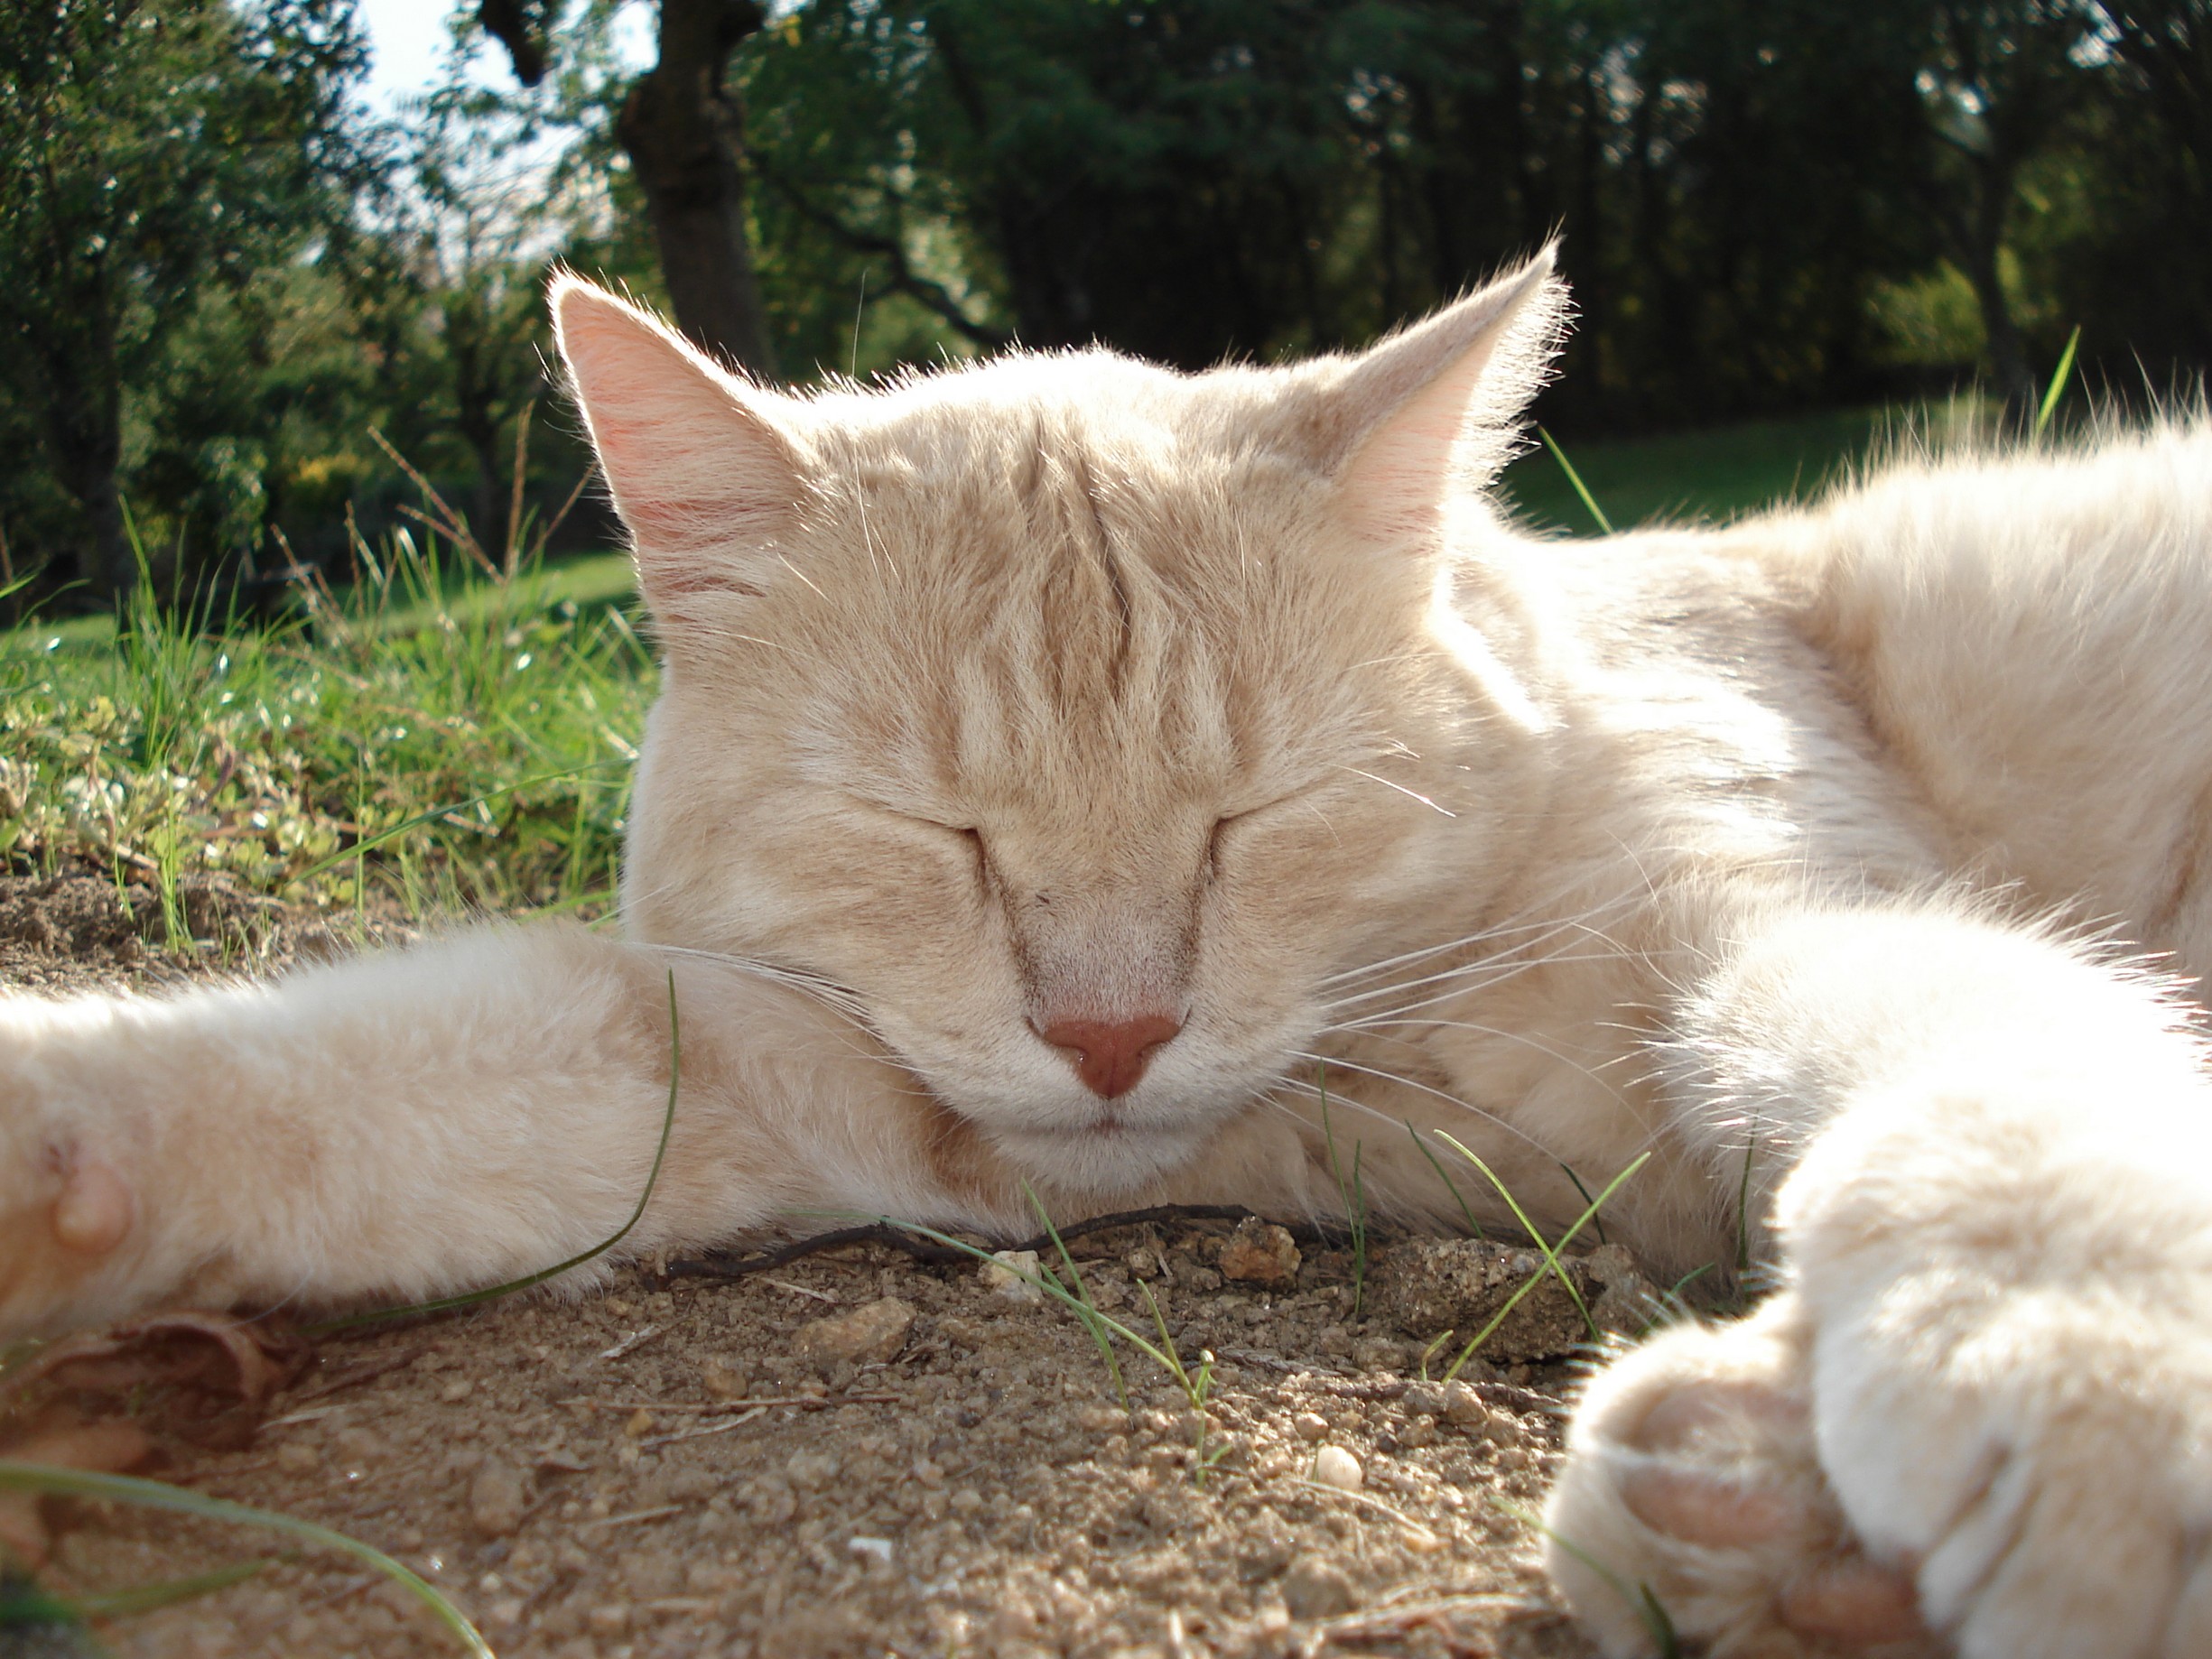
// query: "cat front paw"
[[1897, 1480], [66, 1208], [1693, 1502]]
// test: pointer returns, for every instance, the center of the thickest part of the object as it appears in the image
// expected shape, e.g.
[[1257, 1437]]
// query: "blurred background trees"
[[226, 287]]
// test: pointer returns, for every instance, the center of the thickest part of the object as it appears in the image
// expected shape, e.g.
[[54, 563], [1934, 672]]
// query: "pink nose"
[[1109, 1058]]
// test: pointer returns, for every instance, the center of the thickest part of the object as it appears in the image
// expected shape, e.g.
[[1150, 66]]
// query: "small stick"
[[723, 1427], [635, 1340], [800, 1290], [634, 1514], [816, 1400], [1425, 1533]]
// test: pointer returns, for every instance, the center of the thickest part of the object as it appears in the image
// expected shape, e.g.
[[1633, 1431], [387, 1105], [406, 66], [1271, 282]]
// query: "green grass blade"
[[1348, 1193], [1743, 1209], [1093, 1321], [446, 1304], [1174, 1360], [1549, 1251], [44, 1480], [149, 1597], [1450, 1186], [1596, 1222], [2058, 378], [1574, 477]]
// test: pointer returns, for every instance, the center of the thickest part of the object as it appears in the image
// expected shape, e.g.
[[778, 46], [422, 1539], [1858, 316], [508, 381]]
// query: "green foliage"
[[217, 280], [149, 148]]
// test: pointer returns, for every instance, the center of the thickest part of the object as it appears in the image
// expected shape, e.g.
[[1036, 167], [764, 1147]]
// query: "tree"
[[683, 130], [2004, 81], [147, 147]]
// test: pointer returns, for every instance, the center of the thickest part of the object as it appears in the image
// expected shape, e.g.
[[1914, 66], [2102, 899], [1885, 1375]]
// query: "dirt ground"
[[851, 1454]]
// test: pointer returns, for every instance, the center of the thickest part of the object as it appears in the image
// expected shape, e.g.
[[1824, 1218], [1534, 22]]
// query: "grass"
[[1353, 1193], [1716, 474], [1549, 1249], [364, 752]]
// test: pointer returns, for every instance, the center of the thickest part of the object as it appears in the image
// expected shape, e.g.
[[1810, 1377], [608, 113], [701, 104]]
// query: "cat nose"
[[1110, 1058]]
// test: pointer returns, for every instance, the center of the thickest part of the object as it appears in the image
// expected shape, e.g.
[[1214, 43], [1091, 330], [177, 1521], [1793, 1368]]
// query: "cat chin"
[[1101, 1161]]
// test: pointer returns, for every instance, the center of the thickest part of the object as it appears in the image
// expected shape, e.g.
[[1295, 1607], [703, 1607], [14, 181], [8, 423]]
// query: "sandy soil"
[[851, 1454]]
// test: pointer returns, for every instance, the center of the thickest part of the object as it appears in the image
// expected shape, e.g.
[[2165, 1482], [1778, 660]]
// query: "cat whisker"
[[1510, 926], [1338, 1062], [1401, 788], [827, 992], [1522, 1038], [1497, 972]]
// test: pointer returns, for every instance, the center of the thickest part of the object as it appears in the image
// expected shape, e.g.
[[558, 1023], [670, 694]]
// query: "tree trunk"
[[1977, 237], [682, 135], [2008, 355], [84, 431]]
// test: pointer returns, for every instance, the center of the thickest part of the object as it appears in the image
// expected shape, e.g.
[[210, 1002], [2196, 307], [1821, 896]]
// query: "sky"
[[407, 39]]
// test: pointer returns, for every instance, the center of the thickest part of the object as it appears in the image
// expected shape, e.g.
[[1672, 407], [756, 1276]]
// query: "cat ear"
[[700, 472], [1433, 410]]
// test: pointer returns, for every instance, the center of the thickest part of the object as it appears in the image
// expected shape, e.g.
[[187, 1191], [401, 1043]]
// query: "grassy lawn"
[[444, 744], [1686, 477]]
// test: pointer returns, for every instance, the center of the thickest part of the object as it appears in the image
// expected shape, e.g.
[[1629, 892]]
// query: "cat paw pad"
[[1692, 1475]]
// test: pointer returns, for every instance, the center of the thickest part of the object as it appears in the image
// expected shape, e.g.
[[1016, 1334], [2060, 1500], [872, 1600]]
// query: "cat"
[[1060, 762]]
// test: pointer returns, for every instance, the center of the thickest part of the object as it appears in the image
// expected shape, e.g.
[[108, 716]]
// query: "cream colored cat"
[[1058, 758]]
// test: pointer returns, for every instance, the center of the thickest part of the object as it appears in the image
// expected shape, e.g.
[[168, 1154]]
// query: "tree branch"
[[905, 278]]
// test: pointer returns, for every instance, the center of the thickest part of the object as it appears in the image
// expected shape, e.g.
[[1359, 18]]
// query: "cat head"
[[1079, 716]]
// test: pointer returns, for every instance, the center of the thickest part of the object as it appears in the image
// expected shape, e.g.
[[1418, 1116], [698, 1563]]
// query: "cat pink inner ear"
[[1434, 409], [699, 472]]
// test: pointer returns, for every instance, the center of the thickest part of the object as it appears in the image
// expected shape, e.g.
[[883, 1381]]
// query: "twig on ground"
[[723, 1427], [814, 1400]]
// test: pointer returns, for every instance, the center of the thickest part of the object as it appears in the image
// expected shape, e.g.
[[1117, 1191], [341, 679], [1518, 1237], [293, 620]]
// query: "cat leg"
[[1988, 1382], [414, 1124]]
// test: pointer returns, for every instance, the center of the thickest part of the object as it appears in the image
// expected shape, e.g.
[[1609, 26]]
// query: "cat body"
[[1137, 786]]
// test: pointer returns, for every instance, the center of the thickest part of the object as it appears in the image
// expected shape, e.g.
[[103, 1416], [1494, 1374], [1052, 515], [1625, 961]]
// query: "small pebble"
[[639, 1424], [610, 1620], [1310, 1427], [497, 1499], [722, 1382], [1316, 1589], [1463, 1408], [1425, 1399], [1336, 1467], [868, 1335], [1260, 1253], [1010, 1274], [296, 1458], [877, 1550]]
